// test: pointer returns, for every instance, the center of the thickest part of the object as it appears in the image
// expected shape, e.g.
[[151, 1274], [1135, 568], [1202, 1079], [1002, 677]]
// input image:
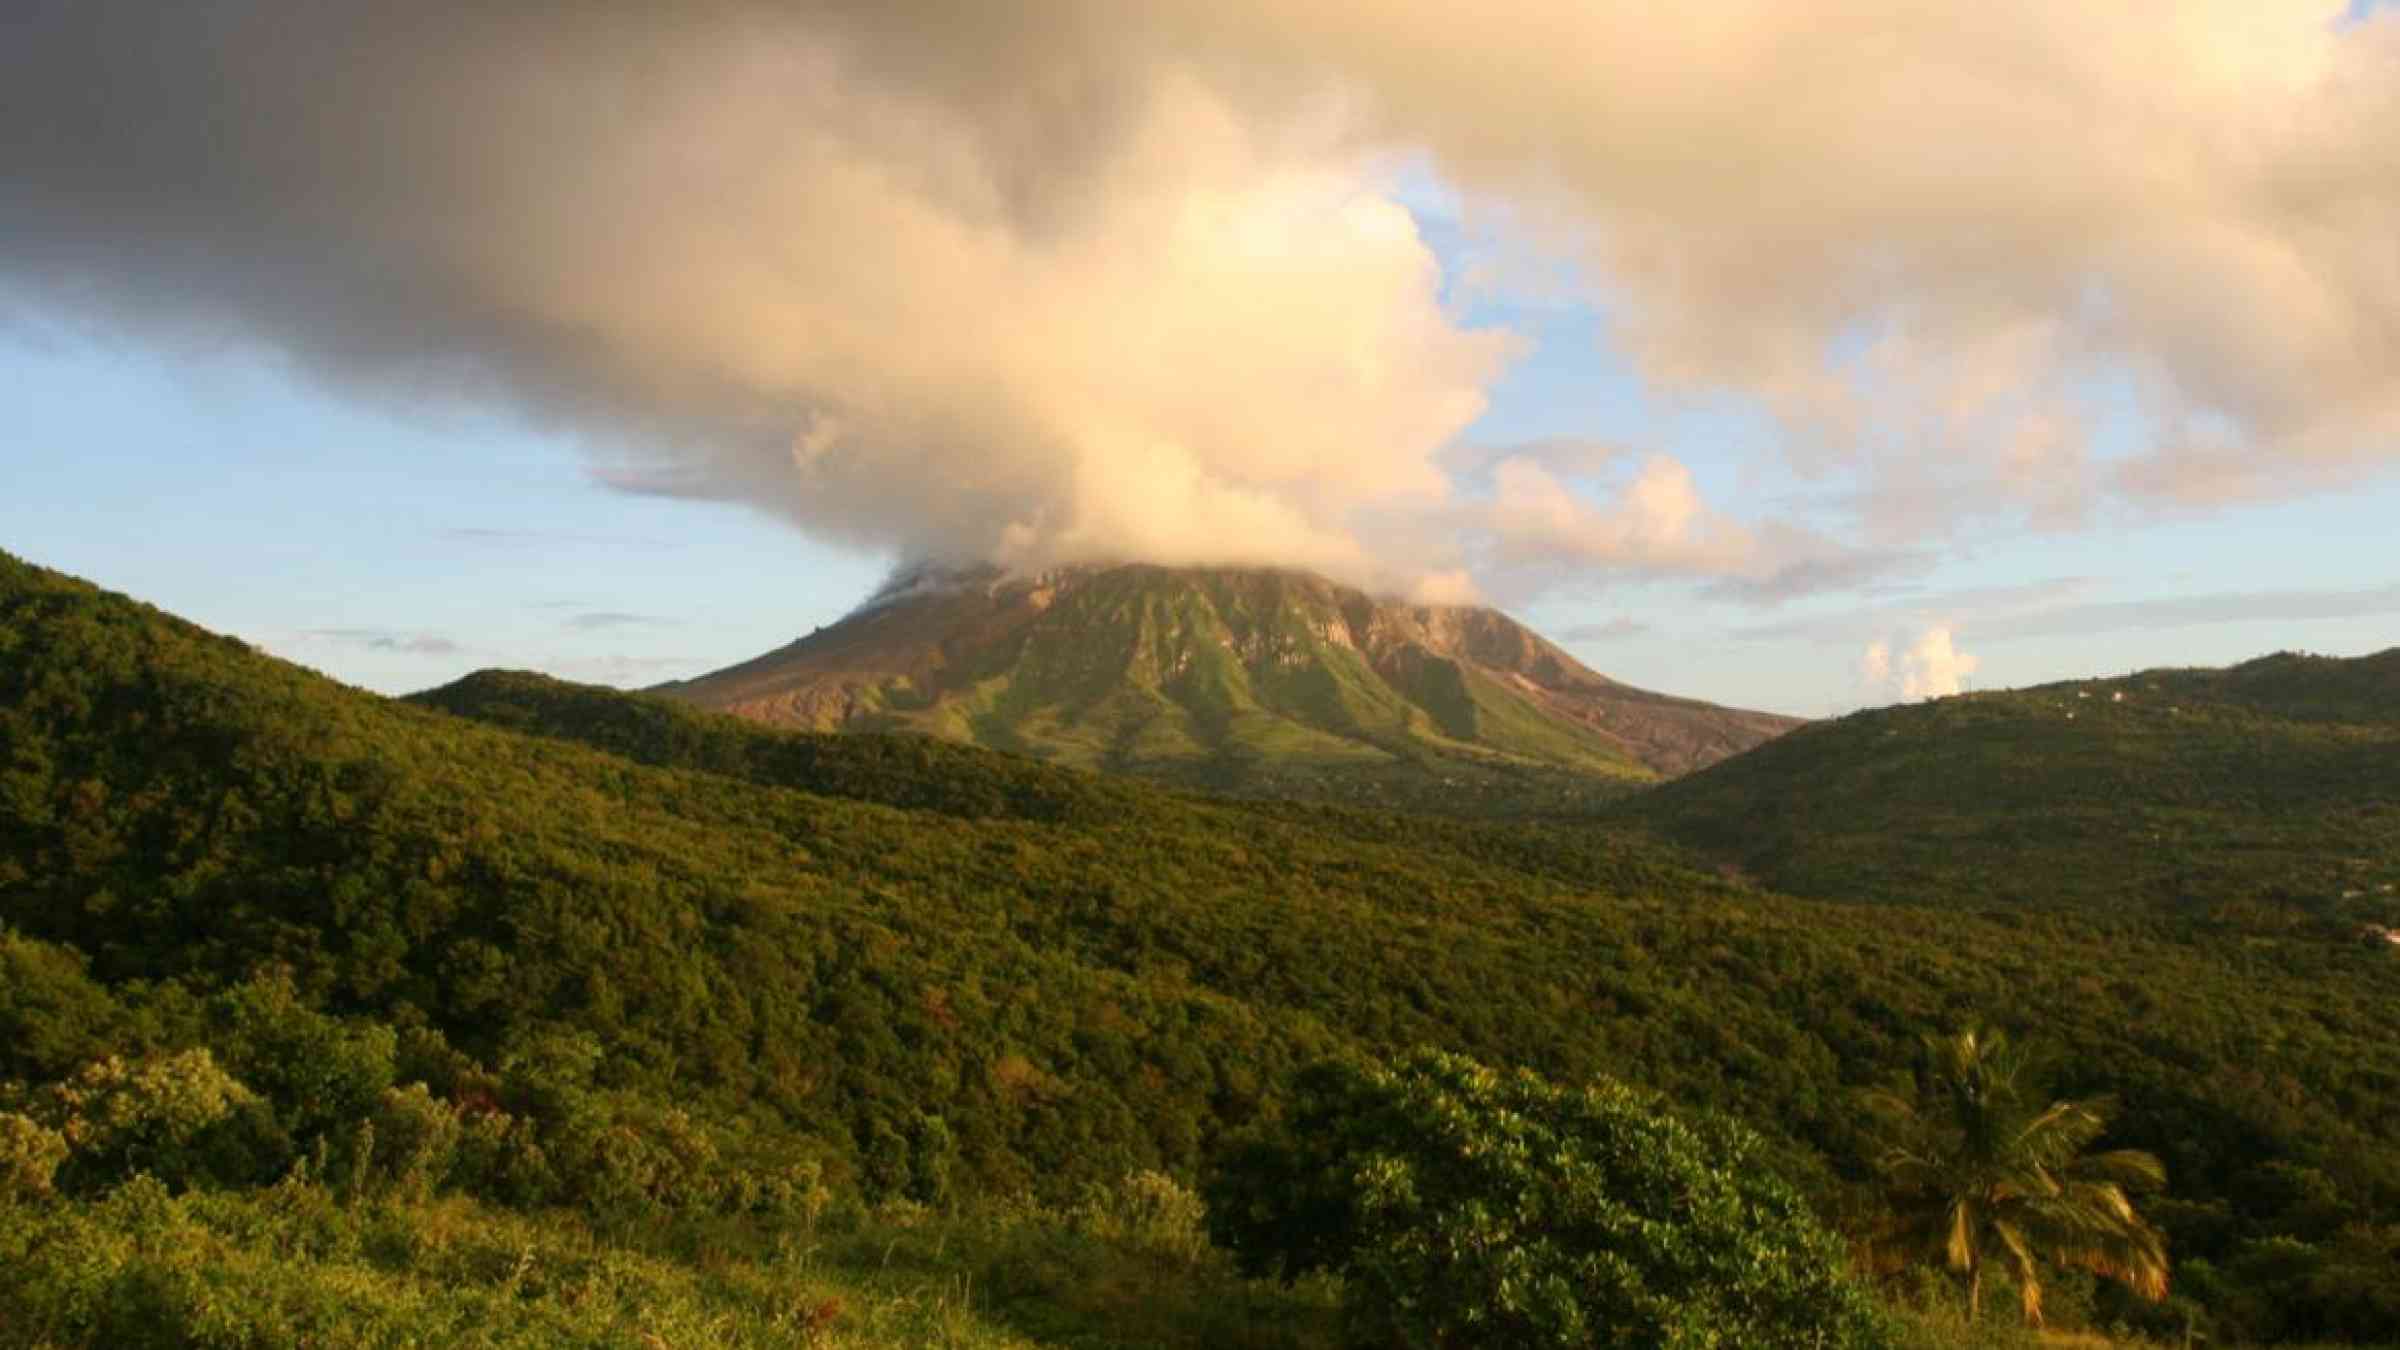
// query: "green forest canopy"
[[818, 945]]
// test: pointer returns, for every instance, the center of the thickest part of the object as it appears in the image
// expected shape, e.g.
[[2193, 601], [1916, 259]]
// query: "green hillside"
[[921, 773], [2174, 790], [937, 974]]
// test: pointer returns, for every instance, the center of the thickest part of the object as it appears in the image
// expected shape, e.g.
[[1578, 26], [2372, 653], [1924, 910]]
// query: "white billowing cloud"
[[1934, 667], [774, 254], [1875, 665], [1656, 519], [1072, 279], [1454, 587], [1931, 666], [1915, 228]]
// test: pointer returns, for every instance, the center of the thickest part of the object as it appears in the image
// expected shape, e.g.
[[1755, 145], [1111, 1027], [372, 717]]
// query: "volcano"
[[1233, 679]]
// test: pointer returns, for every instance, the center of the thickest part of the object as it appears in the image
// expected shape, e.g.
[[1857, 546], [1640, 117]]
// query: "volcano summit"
[[1234, 679]]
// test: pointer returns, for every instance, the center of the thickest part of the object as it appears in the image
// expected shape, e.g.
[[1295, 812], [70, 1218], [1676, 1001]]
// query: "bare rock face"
[[1212, 675]]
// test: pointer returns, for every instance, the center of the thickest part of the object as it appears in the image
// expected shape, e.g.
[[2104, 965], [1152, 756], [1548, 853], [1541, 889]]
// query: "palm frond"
[[2135, 1257], [2128, 1167], [1960, 1245], [2027, 1271]]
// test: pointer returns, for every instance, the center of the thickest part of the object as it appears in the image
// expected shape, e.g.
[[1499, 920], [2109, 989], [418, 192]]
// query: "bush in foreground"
[[1466, 1207]]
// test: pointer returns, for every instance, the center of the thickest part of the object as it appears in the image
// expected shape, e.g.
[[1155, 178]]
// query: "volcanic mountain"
[[1246, 680]]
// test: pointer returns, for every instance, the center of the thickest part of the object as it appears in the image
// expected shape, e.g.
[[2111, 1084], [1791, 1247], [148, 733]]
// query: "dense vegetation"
[[931, 976], [2173, 790], [1468, 1208], [382, 1240]]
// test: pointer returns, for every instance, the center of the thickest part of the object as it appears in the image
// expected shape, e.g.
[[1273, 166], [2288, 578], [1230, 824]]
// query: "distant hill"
[[2277, 779], [1244, 680], [921, 962]]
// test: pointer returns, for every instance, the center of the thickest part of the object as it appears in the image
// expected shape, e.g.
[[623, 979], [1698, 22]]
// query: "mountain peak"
[[1240, 678]]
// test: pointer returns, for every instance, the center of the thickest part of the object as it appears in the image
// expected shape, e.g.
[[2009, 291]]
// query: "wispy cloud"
[[1579, 456], [1611, 631], [1984, 604], [624, 671], [516, 538], [2193, 611], [602, 619], [2041, 609], [1841, 570], [388, 640]]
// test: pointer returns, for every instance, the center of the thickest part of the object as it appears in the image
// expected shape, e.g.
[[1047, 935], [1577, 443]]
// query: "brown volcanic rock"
[[1138, 668]]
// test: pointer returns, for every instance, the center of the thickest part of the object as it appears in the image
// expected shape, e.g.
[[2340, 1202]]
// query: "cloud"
[[2195, 610], [1818, 568], [967, 288], [516, 538], [1655, 520], [2042, 610], [1611, 631], [1992, 609], [389, 640], [1875, 664], [1931, 666], [1454, 587], [598, 620], [1068, 279], [623, 671], [1571, 455]]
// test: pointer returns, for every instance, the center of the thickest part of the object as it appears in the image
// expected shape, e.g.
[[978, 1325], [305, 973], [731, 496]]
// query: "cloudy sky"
[[1796, 355]]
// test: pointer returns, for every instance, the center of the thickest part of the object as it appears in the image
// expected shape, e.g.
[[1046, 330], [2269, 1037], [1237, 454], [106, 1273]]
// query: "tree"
[[1973, 1172], [1464, 1207]]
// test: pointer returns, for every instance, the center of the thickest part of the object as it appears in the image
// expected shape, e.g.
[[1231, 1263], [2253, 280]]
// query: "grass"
[[296, 1265], [293, 1265]]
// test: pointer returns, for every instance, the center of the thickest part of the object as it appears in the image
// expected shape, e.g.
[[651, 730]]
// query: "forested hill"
[[921, 773], [910, 771], [2276, 781], [1051, 980]]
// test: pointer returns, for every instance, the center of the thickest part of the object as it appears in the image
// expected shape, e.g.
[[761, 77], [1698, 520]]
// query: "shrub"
[[628, 1162], [416, 1140], [500, 1157], [1466, 1207], [29, 1155], [53, 1016], [1146, 1209], [322, 1073], [177, 1116]]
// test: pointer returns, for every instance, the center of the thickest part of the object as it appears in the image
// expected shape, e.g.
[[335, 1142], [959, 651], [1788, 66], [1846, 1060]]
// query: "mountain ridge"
[[2274, 779]]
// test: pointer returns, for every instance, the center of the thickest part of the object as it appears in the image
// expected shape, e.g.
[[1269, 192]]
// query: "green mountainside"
[[2275, 780], [932, 973], [1253, 681]]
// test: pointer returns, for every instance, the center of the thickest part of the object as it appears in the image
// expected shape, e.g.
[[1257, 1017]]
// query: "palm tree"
[[1973, 1173]]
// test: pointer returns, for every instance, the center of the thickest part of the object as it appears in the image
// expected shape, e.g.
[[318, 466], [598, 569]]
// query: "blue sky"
[[390, 545], [233, 391]]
